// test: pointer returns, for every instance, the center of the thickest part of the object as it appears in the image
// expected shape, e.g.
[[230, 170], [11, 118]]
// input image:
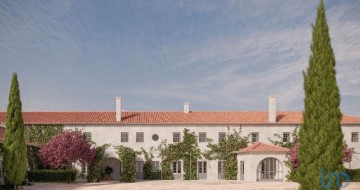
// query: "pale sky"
[[218, 55]]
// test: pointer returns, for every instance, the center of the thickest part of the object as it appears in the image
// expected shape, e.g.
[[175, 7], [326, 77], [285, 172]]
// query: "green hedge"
[[354, 174], [52, 175]]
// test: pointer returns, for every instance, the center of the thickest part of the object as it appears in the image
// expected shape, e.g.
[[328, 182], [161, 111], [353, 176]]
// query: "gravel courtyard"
[[176, 185]]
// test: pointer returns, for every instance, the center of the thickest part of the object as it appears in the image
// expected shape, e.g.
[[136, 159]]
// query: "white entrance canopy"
[[262, 162]]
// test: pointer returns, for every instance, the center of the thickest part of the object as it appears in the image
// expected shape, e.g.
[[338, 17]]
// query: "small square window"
[[87, 136], [176, 137], [354, 137], [202, 137], [286, 137], [222, 136], [124, 137], [254, 137], [139, 137]]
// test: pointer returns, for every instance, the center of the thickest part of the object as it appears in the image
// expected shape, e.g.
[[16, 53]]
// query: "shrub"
[[354, 174], [52, 175], [66, 148]]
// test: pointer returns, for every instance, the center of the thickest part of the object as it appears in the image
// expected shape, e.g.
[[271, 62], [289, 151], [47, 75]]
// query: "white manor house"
[[259, 161]]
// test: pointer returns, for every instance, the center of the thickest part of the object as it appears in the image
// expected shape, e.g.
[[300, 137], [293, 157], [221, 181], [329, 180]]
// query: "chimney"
[[186, 107], [272, 109], [118, 109]]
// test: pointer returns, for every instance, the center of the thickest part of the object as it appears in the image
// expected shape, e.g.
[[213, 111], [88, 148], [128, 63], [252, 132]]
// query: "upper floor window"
[[354, 137], [124, 137], [176, 137], [202, 136], [254, 137], [139, 137], [222, 136], [87, 136], [286, 137]]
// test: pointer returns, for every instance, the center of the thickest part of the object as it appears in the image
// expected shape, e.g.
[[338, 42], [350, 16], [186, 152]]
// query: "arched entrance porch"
[[270, 169]]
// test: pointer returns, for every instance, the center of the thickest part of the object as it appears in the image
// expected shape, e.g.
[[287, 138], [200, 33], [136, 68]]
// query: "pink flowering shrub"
[[293, 155], [66, 148], [348, 152]]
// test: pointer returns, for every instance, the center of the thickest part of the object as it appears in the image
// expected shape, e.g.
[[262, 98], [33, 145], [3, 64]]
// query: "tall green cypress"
[[14, 143], [320, 134]]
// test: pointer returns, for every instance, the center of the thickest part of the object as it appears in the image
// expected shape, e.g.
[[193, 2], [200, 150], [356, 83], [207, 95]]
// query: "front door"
[[139, 170], [202, 170], [177, 169]]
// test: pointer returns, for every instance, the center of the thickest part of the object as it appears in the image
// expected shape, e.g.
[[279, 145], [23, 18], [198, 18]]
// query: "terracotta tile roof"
[[262, 147], [165, 118]]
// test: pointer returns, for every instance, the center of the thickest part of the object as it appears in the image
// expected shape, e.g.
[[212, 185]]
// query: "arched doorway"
[[270, 169], [114, 164]]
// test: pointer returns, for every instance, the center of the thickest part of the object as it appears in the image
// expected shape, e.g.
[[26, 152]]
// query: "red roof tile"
[[262, 147], [165, 118]]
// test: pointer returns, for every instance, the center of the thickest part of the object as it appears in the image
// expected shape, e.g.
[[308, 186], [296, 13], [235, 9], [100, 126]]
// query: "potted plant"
[[108, 170]]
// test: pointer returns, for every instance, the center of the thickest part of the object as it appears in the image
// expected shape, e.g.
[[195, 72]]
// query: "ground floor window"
[[177, 167], [270, 169], [155, 165], [221, 169], [242, 170], [83, 169]]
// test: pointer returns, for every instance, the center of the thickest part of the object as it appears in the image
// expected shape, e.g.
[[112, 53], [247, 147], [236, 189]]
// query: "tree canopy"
[[66, 148]]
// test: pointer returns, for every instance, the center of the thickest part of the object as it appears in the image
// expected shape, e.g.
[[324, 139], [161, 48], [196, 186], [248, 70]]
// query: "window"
[[155, 165], [242, 170], [124, 137], [176, 137], [139, 166], [354, 137], [139, 137], [254, 137], [222, 136], [83, 169], [221, 169], [286, 137], [177, 167], [202, 137], [87, 136]]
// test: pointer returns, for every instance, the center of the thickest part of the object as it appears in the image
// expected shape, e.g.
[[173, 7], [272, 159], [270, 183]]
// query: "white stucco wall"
[[102, 134]]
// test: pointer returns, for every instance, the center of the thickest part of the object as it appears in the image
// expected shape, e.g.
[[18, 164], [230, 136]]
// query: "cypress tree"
[[14, 142], [321, 138]]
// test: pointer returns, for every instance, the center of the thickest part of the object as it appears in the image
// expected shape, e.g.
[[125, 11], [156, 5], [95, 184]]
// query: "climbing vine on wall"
[[167, 157], [127, 157], [224, 151], [39, 135], [149, 173], [293, 140], [94, 172], [187, 150]]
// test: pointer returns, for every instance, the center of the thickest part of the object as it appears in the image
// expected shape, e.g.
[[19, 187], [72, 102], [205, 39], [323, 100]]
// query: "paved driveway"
[[173, 185]]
